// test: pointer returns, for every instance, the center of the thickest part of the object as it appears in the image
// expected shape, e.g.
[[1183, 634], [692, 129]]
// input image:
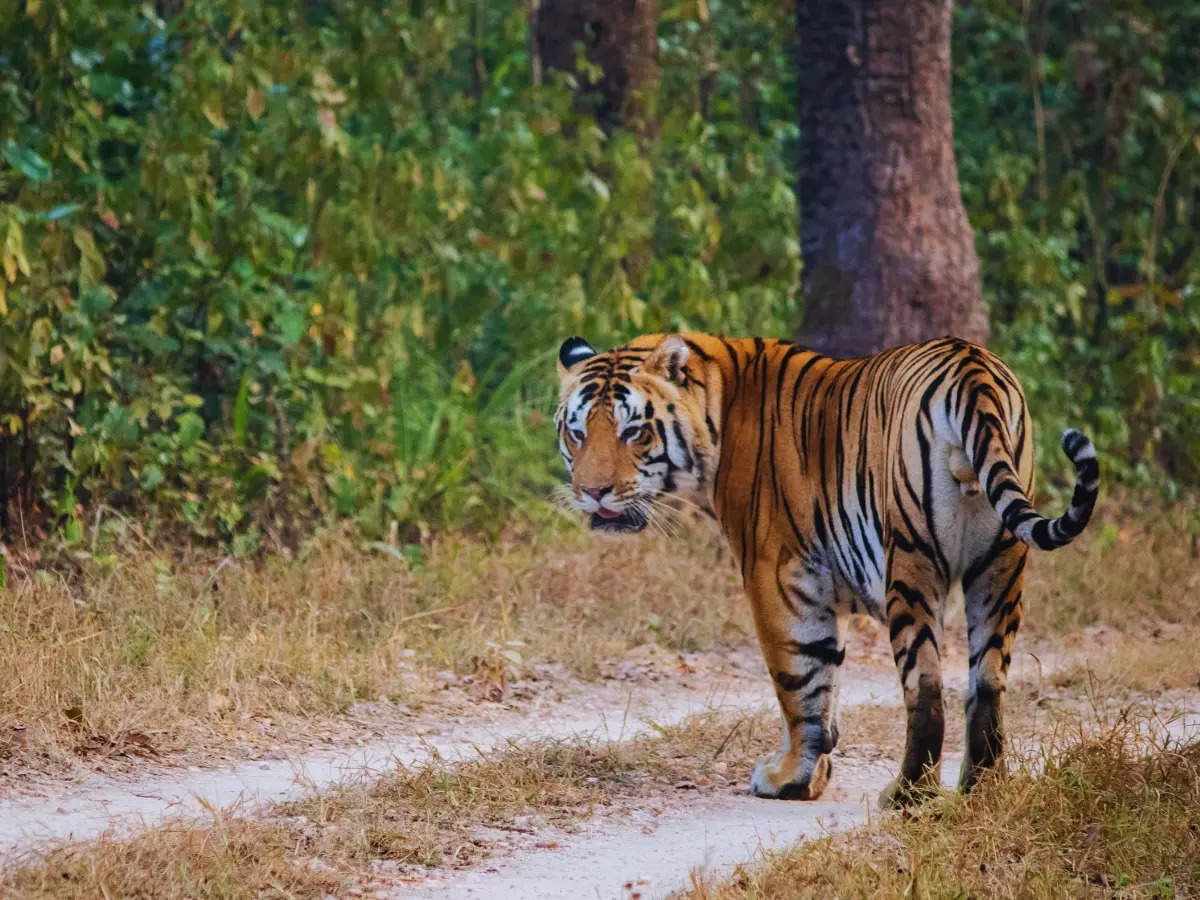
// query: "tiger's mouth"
[[627, 521]]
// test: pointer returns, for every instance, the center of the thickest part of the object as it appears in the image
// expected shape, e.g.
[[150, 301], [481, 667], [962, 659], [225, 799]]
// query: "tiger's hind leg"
[[992, 592], [800, 632], [915, 598]]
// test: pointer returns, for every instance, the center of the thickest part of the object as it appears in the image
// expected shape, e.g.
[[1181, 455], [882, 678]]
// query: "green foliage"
[[264, 265], [1078, 140], [271, 262]]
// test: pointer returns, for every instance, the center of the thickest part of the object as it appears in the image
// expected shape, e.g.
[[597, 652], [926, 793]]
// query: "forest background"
[[269, 267]]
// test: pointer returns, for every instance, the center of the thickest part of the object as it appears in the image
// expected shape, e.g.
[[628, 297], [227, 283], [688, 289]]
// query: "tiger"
[[874, 485]]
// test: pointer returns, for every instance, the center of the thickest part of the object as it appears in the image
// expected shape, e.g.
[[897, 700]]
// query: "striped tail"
[[1019, 516]]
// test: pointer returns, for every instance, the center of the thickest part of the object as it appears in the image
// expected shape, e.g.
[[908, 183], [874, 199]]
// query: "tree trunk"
[[618, 36], [888, 252]]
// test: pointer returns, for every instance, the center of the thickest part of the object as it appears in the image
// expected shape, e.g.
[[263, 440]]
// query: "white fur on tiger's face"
[[625, 433]]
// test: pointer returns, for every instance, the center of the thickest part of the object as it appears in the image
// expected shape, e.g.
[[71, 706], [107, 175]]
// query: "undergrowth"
[[165, 651], [431, 815], [1110, 814]]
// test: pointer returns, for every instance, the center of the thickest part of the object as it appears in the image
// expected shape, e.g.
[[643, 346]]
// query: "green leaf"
[[254, 483], [26, 161], [291, 325], [91, 263], [110, 88], [295, 233], [61, 211], [95, 302], [152, 477], [191, 429]]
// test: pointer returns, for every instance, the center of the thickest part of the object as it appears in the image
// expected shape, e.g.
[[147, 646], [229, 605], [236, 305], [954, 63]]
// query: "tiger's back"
[[835, 447], [870, 485]]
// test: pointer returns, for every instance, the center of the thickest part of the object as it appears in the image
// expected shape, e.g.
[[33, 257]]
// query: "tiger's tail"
[[993, 463]]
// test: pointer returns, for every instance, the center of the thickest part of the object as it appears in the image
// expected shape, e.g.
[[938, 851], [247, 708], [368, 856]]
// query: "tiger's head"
[[634, 427]]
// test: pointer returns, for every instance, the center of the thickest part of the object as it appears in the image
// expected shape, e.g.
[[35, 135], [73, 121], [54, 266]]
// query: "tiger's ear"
[[668, 359], [573, 350]]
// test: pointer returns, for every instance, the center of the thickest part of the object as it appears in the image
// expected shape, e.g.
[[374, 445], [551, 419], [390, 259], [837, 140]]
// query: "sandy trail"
[[728, 830], [700, 838], [645, 855], [651, 856], [100, 803], [120, 804]]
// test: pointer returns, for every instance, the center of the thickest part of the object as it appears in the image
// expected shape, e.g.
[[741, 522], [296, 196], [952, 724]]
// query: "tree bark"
[[888, 253], [618, 36]]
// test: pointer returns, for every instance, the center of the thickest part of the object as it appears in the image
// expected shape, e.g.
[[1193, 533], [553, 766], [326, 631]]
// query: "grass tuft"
[[380, 831], [1113, 814], [231, 858], [156, 654], [147, 654], [1137, 562]]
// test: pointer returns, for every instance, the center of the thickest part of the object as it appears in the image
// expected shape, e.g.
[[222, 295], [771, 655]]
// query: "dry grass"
[[379, 831], [1137, 562], [1154, 663], [1111, 815], [1092, 813], [432, 815], [1161, 659], [147, 652], [232, 858], [156, 653]]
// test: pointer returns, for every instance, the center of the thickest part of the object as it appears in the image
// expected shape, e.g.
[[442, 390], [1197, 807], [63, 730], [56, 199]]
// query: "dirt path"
[[79, 809], [650, 686], [659, 848], [100, 803], [650, 856]]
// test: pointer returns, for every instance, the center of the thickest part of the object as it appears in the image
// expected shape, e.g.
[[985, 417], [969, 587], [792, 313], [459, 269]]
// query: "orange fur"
[[869, 485]]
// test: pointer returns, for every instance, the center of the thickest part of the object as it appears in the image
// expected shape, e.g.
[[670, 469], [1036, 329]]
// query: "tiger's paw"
[[776, 777], [903, 794]]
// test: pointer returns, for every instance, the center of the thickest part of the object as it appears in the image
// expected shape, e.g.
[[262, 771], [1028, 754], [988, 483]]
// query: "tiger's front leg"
[[800, 634]]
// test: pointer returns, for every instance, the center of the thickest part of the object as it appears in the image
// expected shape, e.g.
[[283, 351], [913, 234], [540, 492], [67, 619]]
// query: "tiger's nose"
[[596, 493]]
